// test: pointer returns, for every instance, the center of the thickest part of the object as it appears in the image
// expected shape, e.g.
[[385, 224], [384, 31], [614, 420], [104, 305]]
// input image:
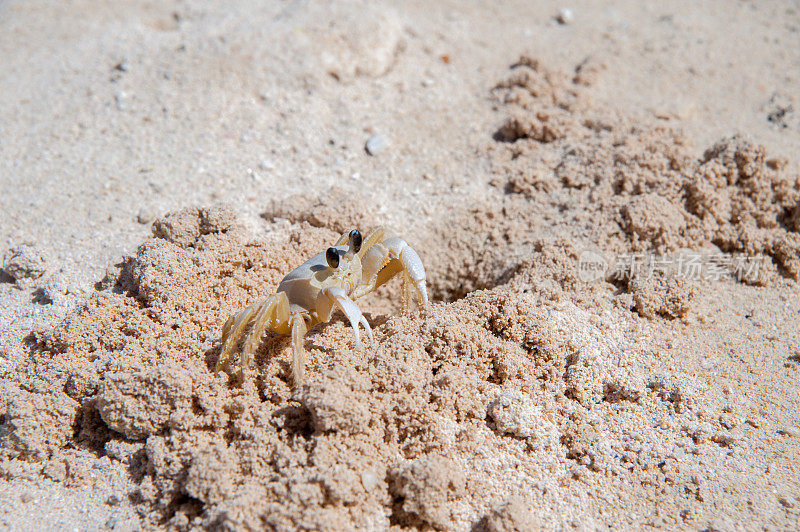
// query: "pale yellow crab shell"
[[303, 284]]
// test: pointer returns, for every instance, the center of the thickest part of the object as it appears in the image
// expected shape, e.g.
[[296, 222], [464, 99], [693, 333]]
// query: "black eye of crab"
[[332, 256], [355, 240]]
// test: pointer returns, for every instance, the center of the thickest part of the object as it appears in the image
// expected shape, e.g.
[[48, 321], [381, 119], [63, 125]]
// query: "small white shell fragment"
[[564, 15], [369, 480], [146, 215], [376, 144], [121, 99]]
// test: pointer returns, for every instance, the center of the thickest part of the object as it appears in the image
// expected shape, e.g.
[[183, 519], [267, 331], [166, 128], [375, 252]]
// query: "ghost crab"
[[308, 295]]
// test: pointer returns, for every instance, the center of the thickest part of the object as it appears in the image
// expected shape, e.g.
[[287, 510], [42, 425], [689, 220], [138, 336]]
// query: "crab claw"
[[416, 271], [404, 258], [351, 310]]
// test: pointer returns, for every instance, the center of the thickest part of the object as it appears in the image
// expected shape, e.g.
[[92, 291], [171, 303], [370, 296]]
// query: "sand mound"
[[629, 186], [526, 397], [394, 434]]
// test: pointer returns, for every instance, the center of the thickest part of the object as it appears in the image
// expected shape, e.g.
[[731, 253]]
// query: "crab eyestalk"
[[332, 258], [355, 241]]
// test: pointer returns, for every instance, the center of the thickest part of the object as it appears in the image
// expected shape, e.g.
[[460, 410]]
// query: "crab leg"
[[231, 332], [272, 312], [299, 330]]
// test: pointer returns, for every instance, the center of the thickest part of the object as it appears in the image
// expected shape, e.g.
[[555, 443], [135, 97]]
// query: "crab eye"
[[332, 256], [355, 240]]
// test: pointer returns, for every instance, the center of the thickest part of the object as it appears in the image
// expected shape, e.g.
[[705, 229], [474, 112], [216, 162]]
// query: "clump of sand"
[[633, 186], [23, 263], [337, 209]]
